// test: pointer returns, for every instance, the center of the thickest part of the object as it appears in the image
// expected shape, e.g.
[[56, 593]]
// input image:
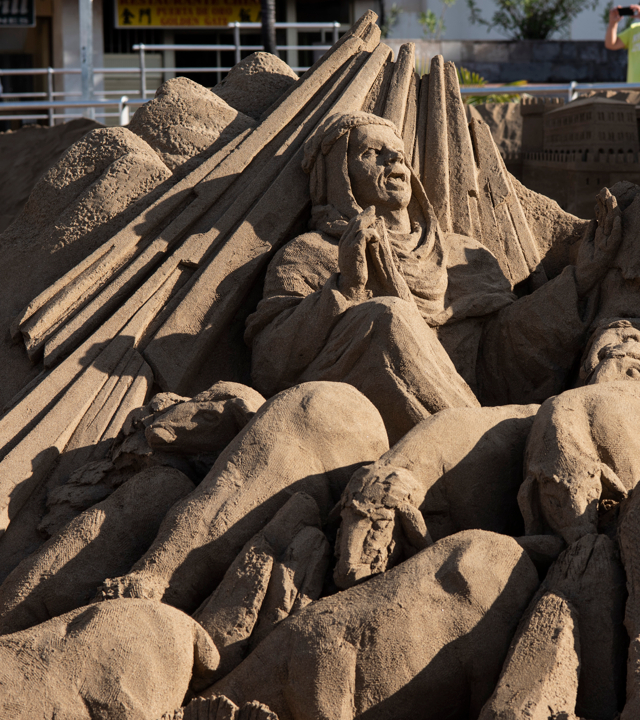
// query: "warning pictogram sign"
[[17, 13], [184, 13]]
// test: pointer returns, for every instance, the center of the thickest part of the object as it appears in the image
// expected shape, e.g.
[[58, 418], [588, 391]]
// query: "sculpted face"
[[377, 169], [381, 522], [618, 356]]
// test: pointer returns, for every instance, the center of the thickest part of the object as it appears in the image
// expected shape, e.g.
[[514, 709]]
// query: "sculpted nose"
[[394, 156]]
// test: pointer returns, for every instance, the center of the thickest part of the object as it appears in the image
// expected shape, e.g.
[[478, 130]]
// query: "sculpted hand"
[[366, 260], [352, 256], [600, 243]]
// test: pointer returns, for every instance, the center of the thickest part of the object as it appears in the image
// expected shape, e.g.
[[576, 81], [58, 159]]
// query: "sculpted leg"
[[384, 348], [629, 548], [310, 438]]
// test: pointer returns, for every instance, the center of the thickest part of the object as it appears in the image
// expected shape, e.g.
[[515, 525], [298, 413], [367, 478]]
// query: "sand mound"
[[255, 83], [629, 96], [26, 155], [504, 121], [84, 199], [184, 119]]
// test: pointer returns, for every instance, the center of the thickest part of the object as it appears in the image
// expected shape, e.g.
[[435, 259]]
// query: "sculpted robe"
[[436, 324], [508, 351]]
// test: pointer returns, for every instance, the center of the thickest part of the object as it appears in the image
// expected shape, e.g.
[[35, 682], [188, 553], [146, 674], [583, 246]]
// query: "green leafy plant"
[[433, 25], [468, 77], [531, 19], [422, 65], [388, 19]]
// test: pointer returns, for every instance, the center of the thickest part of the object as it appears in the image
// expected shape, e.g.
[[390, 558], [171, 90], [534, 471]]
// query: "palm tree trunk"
[[269, 25]]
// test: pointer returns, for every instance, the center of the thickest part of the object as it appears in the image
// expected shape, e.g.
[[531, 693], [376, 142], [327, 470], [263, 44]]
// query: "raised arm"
[[611, 39]]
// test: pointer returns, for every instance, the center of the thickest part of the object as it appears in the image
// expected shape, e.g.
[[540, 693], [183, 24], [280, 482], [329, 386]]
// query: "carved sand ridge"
[[311, 411]]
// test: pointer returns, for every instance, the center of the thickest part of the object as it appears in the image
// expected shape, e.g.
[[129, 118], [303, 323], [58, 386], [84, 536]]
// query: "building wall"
[[537, 61], [587, 26], [573, 185]]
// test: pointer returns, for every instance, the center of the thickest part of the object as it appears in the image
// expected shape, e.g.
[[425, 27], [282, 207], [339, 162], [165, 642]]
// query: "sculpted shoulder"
[[302, 265], [317, 245]]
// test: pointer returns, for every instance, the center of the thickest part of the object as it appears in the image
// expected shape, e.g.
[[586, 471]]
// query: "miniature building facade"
[[592, 125], [571, 151]]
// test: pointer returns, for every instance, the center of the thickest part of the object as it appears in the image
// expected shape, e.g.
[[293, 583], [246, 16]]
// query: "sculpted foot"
[[134, 585], [221, 708]]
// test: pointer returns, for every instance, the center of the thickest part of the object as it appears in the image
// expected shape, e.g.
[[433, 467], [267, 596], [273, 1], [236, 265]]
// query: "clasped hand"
[[366, 261]]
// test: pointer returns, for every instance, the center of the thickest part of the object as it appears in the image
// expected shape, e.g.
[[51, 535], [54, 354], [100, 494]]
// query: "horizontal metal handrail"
[[572, 89], [125, 102], [291, 25], [161, 48], [143, 71], [33, 104], [122, 103]]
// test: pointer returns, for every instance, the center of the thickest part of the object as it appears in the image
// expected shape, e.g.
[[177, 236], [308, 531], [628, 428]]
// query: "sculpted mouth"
[[159, 435], [397, 176]]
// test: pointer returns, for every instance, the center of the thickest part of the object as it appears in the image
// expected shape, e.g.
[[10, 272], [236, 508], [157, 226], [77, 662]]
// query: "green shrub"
[[531, 19]]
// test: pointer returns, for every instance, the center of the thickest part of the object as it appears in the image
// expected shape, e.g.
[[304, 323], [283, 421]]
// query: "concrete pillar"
[[66, 45], [85, 15], [168, 56], [292, 35]]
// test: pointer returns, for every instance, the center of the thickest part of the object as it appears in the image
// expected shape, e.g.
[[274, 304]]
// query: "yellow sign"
[[185, 13]]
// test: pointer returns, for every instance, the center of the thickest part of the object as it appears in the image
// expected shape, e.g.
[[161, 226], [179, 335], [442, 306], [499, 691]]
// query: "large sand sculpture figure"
[[294, 418]]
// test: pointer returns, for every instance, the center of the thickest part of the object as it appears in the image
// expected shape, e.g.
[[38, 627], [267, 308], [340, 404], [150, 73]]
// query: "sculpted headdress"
[[334, 205], [601, 338]]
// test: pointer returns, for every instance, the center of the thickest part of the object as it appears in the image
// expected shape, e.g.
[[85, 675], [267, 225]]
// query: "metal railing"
[[123, 104], [50, 100], [572, 89]]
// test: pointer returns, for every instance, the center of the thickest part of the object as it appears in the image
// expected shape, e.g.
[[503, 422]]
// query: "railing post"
[[236, 40], [50, 94], [85, 16], [123, 109], [336, 28], [143, 72]]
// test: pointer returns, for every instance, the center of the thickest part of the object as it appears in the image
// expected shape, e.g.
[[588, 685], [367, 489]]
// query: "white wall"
[[587, 26], [66, 42]]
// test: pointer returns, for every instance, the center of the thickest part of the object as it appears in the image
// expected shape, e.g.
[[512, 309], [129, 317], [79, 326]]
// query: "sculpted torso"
[[418, 320]]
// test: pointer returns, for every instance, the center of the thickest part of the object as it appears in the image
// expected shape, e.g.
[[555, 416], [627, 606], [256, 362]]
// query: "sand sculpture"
[[311, 410]]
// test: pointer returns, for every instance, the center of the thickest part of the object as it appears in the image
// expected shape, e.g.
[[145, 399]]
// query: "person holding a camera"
[[628, 38]]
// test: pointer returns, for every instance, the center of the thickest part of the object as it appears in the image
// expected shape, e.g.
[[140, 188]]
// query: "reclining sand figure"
[[583, 453], [125, 659], [309, 439], [376, 278], [457, 470], [566, 462], [424, 640]]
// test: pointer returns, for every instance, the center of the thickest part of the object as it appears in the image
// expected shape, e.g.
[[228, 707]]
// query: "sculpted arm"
[[528, 348], [365, 259], [301, 306]]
